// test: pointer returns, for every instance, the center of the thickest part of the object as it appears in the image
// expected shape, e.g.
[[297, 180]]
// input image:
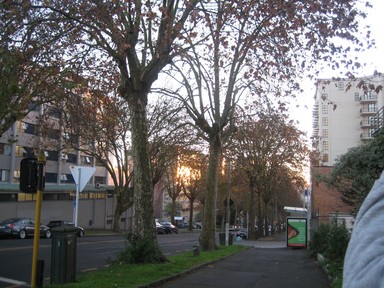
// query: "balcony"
[[377, 121], [368, 111], [365, 136], [365, 124], [369, 98]]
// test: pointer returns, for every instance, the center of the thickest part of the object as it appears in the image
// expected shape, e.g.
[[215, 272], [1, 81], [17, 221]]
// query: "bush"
[[318, 242], [140, 250], [331, 240], [337, 241]]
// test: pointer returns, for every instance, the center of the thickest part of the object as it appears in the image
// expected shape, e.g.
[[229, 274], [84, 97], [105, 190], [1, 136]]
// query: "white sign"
[[81, 175]]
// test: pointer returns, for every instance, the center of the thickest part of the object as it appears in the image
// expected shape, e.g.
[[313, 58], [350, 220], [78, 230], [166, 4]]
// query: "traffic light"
[[28, 175]]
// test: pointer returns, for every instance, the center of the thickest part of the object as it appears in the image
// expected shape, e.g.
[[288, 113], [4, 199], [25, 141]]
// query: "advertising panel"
[[297, 232]]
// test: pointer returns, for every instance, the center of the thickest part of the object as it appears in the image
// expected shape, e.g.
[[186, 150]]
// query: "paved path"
[[267, 264]]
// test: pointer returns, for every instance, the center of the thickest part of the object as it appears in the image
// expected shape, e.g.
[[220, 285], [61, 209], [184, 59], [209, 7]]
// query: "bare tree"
[[125, 44], [250, 48], [268, 147]]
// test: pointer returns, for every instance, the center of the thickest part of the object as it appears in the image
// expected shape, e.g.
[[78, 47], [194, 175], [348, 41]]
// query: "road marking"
[[12, 281], [89, 270], [49, 245]]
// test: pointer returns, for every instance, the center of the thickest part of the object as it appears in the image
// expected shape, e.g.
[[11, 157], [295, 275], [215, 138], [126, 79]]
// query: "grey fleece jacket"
[[364, 259]]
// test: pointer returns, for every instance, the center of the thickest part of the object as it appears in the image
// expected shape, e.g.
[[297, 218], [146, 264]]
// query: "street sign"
[[81, 175]]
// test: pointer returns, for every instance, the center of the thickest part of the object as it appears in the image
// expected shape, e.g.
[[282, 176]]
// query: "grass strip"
[[135, 275]]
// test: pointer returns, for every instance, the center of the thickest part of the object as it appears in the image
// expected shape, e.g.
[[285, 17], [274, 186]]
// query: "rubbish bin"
[[222, 238], [63, 255]]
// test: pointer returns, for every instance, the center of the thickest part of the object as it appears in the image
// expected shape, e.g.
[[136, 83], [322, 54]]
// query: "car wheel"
[[80, 233], [22, 234], [48, 234]]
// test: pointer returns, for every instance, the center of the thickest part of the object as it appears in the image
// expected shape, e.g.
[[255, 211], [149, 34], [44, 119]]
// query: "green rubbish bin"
[[63, 255], [222, 238]]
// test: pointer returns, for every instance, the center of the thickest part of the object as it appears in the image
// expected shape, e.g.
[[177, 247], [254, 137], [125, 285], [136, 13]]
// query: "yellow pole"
[[36, 237]]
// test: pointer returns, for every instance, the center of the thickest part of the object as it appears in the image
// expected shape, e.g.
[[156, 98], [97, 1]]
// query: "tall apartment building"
[[24, 139], [344, 116]]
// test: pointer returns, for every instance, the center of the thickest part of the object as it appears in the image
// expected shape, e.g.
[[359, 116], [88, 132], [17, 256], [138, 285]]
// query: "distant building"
[[344, 116], [24, 139]]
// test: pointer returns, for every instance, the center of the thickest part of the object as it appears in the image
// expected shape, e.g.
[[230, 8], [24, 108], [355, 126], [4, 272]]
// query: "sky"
[[374, 60]]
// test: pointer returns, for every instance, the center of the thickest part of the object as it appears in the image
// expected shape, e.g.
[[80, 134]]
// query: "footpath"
[[268, 263]]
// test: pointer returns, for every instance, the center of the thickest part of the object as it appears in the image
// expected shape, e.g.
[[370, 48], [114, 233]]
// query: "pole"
[[77, 198], [228, 203], [36, 237]]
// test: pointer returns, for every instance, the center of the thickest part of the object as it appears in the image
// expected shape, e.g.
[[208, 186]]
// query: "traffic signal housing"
[[28, 175]]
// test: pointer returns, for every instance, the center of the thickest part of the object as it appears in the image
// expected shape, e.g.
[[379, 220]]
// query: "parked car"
[[242, 234], [22, 228], [196, 225], [65, 223], [159, 228], [169, 228]]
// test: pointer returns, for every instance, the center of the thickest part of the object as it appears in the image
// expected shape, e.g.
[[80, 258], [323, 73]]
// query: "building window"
[[371, 132], [51, 177], [33, 107], [66, 178], [100, 162], [22, 126], [20, 151], [357, 96], [54, 112], [16, 175], [5, 149], [52, 155], [324, 121], [53, 133], [85, 159], [27, 128], [324, 108], [325, 133], [325, 145], [63, 178], [4, 175], [325, 158], [372, 107], [340, 85], [100, 180]]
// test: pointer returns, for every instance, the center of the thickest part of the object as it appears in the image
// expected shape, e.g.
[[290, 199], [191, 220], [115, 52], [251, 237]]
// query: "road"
[[92, 253]]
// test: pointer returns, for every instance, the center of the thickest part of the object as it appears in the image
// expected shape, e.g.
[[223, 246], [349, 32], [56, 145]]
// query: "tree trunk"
[[252, 211], [208, 233], [118, 212], [173, 211], [259, 213], [144, 224], [190, 228]]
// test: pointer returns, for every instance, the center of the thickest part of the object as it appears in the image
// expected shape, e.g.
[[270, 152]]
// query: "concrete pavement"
[[267, 264]]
